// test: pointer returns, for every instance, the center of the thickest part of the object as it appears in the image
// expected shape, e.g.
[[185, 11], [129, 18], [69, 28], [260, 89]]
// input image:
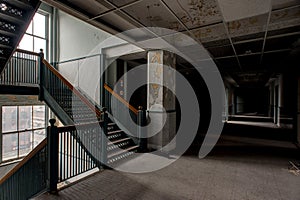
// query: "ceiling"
[[248, 40]]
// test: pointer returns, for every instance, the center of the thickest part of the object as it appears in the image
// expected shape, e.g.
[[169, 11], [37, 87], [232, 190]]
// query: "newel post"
[[142, 135], [104, 138], [52, 142], [41, 75]]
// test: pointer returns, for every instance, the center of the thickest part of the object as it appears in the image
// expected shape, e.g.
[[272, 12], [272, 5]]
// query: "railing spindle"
[[52, 137]]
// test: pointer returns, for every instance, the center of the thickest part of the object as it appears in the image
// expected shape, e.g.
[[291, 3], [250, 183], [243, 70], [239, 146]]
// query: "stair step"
[[115, 136], [5, 46], [20, 4], [6, 40], [122, 151], [119, 145], [118, 141], [7, 33], [113, 132], [11, 18]]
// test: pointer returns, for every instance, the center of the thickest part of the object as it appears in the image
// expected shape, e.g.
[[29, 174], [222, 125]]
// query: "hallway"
[[238, 168]]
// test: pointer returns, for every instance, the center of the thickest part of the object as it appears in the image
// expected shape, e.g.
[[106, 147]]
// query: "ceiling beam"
[[229, 37], [115, 8], [266, 33], [79, 15]]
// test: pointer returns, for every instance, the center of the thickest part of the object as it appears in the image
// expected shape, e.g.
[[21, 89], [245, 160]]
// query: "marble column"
[[161, 102]]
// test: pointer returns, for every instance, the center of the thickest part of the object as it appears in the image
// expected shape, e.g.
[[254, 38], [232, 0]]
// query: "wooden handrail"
[[121, 99], [72, 88], [24, 161], [27, 52]]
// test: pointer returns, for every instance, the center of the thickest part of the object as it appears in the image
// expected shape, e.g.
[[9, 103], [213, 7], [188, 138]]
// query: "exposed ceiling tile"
[[233, 10], [248, 26], [195, 13], [118, 20], [182, 39], [253, 36], [246, 21], [210, 33], [284, 18], [91, 6], [139, 34], [152, 13]]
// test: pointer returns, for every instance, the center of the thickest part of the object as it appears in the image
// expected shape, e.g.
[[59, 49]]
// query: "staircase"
[[68, 104], [73, 149], [73, 107], [121, 145], [15, 16]]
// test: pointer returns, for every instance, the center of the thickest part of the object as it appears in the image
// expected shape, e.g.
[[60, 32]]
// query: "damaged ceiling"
[[249, 40]]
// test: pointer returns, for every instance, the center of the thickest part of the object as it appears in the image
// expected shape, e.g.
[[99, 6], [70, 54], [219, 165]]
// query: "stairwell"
[[15, 16], [68, 103]]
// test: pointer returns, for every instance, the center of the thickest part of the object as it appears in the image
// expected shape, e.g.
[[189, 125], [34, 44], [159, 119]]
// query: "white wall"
[[77, 38]]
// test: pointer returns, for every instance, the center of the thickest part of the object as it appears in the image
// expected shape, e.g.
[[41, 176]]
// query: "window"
[[36, 36], [23, 128]]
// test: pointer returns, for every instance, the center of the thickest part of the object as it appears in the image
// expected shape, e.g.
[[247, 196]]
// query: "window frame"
[[47, 33], [18, 131]]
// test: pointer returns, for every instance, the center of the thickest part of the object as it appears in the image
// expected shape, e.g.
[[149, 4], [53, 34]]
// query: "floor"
[[236, 169]]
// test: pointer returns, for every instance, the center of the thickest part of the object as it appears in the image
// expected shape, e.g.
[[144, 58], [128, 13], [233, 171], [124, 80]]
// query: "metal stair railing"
[[22, 69], [114, 101], [57, 158], [28, 177]]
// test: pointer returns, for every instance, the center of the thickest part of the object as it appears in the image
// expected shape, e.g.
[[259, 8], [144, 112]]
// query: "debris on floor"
[[294, 168]]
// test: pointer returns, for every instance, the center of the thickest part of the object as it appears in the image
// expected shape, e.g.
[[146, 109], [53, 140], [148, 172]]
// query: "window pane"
[[39, 135], [9, 119], [26, 43], [10, 146], [38, 116], [29, 29], [25, 143], [39, 25], [25, 117], [40, 44]]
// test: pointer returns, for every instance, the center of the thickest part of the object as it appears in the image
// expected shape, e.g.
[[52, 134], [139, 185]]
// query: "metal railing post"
[[52, 142], [41, 75], [141, 121], [102, 80], [104, 138]]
